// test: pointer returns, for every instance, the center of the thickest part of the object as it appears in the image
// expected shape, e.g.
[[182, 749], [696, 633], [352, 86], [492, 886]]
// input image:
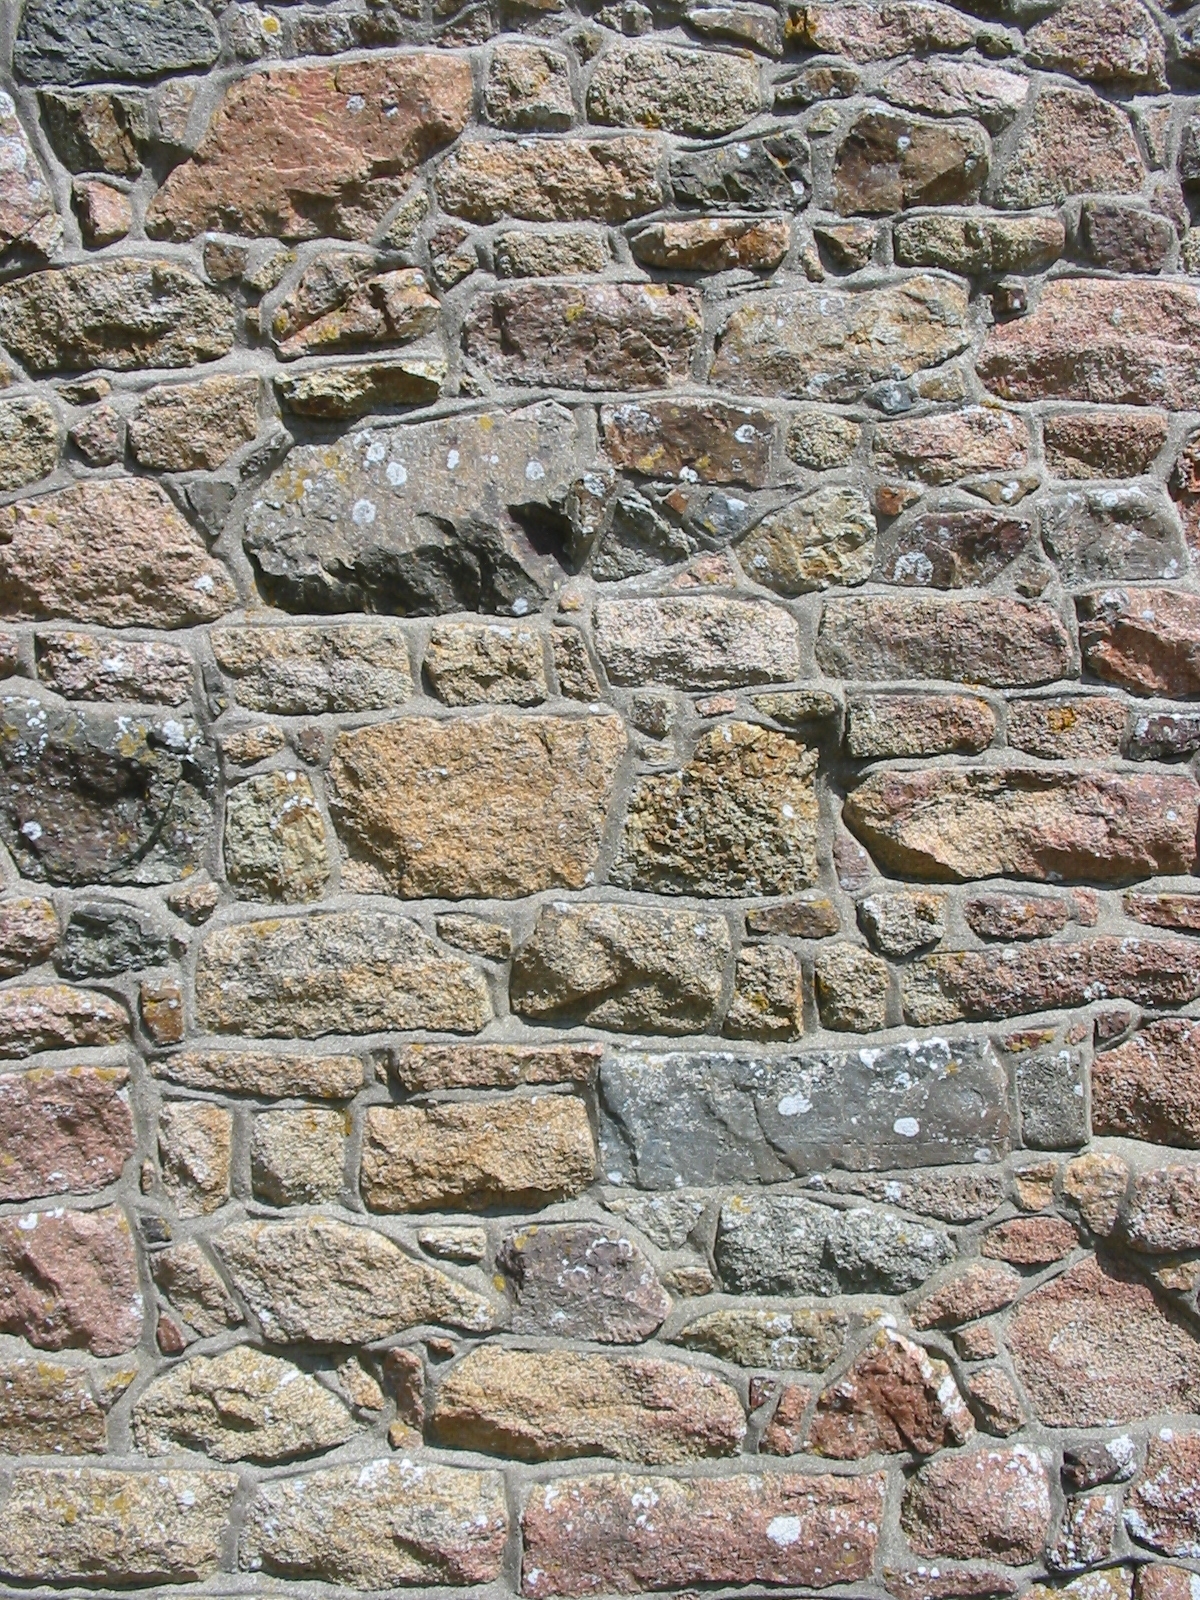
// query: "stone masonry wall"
[[599, 692]]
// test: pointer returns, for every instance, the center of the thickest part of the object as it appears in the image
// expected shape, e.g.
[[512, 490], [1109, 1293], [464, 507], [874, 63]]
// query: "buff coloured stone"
[[1149, 1087], [1066, 728], [528, 88], [1161, 1509], [108, 551], [338, 305], [899, 922], [695, 643], [958, 88], [580, 1281], [498, 806], [976, 985], [894, 1397], [585, 336], [86, 666], [416, 519], [350, 666], [1111, 42], [191, 1284], [823, 539], [30, 439], [421, 1068], [334, 972], [120, 314], [740, 819], [297, 153], [768, 995], [783, 1338], [832, 344], [379, 1524], [1110, 341], [28, 933], [195, 1151], [552, 180], [693, 440], [353, 389], [298, 1157], [991, 1503], [1000, 643], [757, 26], [810, 917], [559, 252], [976, 245], [63, 1130], [492, 663], [52, 1016], [69, 1280], [918, 725], [518, 1153], [242, 1405], [83, 1525], [186, 427], [771, 1117], [274, 842], [955, 825], [888, 162], [551, 1405], [851, 988], [48, 1408], [1096, 1348], [1144, 640], [693, 92], [333, 1077], [324, 1280], [1107, 444], [956, 444], [866, 32], [1074, 143], [633, 969], [713, 244], [618, 1534]]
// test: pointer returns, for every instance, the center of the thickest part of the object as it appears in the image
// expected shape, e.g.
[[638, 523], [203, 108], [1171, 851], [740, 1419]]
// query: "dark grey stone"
[[737, 1117], [784, 1244], [461, 514], [1050, 1086], [581, 1281], [94, 797], [101, 941], [1088, 1465], [748, 175], [1108, 532], [89, 41], [1159, 735]]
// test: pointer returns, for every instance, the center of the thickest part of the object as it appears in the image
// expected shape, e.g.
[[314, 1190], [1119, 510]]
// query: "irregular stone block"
[[121, 314], [768, 174], [1101, 42], [1110, 341], [1161, 1507], [48, 1408], [352, 389], [553, 1404], [194, 1289], [419, 519], [652, 85], [194, 426], [633, 969], [339, 305], [326, 1281], [97, 130], [1144, 640], [334, 972], [851, 988], [61, 1131], [353, 666], [84, 666], [995, 822], [274, 841], [899, 922], [950, 986], [69, 1279], [305, 152], [821, 539], [895, 1397], [1149, 1087], [499, 805], [942, 448], [696, 643], [551, 180], [977, 1291], [992, 1503], [1163, 1210], [65, 41], [559, 252], [379, 1525], [692, 440], [776, 1117], [918, 725], [958, 88], [887, 163], [783, 1338], [421, 1068], [1065, 728], [579, 1281], [84, 1525], [488, 664], [713, 244], [528, 88], [740, 819], [1098, 534], [976, 245], [1051, 1089], [269, 1076], [1001, 643], [28, 934], [30, 440], [112, 551], [952, 549], [195, 1153], [831, 344], [51, 1016], [1096, 1348], [768, 995], [520, 1153], [585, 336], [865, 32], [298, 1157], [1103, 444], [1074, 143]]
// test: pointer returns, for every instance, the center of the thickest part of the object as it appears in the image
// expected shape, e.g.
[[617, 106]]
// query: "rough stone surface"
[[578, 1281], [551, 1405], [590, 1535], [1000, 643], [59, 43], [28, 933], [185, 427], [1161, 1511], [519, 1152], [887, 163], [334, 972], [894, 1397], [1145, 640], [317, 1278], [1148, 1088], [342, 667], [623, 967], [378, 1525], [696, 643], [498, 806], [63, 1131], [991, 1503], [70, 1280], [82, 666], [274, 841], [52, 1016], [685, 91], [564, 180], [822, 539], [109, 551], [790, 1339], [297, 153], [918, 725]]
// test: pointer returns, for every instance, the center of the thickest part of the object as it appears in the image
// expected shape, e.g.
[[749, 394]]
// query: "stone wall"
[[600, 666]]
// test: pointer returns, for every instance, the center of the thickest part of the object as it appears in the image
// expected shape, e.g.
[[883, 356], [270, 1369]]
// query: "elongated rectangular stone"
[[738, 1118]]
